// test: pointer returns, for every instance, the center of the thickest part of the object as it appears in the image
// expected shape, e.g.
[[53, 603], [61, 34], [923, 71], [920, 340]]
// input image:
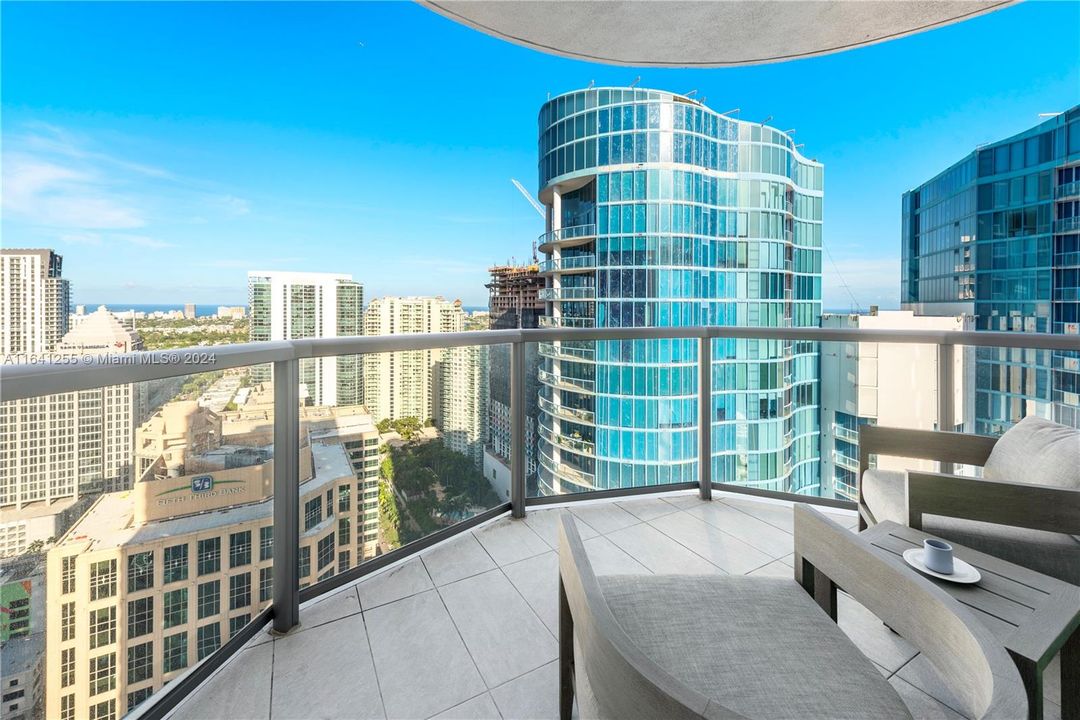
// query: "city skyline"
[[302, 164]]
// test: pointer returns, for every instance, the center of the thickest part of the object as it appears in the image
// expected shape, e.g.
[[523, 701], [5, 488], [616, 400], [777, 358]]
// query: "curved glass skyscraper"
[[663, 213]]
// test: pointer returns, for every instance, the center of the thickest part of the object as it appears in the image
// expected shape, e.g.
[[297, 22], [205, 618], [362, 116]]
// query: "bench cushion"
[[1036, 451], [759, 646], [1050, 553]]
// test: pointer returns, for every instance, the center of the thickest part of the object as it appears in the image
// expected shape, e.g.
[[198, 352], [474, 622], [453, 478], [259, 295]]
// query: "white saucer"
[[963, 573]]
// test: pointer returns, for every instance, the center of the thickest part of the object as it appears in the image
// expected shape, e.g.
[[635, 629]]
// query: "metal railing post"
[[945, 411], [705, 418], [286, 605], [517, 429]]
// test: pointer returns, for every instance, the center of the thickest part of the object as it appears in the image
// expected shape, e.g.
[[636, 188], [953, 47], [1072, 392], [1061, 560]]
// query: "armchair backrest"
[[626, 683]]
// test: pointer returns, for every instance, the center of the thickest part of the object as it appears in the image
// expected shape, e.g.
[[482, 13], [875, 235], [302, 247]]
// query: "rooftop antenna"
[[636, 81], [591, 84], [766, 120], [800, 145], [790, 132], [692, 92], [733, 111], [703, 99], [843, 282]]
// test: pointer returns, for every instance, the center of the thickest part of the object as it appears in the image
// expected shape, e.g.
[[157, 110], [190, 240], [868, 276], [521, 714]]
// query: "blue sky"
[[165, 149]]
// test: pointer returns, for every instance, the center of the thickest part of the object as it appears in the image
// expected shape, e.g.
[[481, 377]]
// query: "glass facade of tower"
[[663, 213], [997, 235]]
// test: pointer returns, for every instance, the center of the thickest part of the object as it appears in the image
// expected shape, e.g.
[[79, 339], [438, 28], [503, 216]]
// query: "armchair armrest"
[[947, 447], [1038, 507]]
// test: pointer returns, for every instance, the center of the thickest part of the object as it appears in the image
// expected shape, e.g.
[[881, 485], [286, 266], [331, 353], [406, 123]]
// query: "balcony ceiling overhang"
[[704, 33]]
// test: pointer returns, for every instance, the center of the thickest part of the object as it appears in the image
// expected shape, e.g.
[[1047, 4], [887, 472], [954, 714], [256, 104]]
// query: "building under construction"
[[513, 302], [513, 296]]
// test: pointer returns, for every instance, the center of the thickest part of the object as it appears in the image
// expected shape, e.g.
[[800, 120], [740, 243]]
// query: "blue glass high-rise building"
[[664, 213], [997, 235]]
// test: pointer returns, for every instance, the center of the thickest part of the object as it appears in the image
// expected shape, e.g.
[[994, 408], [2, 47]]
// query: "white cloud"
[[45, 193], [146, 242]]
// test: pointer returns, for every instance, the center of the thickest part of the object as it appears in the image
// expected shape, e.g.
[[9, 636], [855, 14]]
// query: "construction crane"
[[532, 201]]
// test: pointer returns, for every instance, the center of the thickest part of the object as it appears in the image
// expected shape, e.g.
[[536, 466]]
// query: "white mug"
[[937, 556]]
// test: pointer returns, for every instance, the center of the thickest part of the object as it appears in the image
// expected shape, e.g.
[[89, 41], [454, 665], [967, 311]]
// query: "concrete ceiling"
[[704, 33]]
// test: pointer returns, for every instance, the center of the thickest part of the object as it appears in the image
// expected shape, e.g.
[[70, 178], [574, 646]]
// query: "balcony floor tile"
[[457, 559], [420, 659], [240, 689], [760, 534], [535, 579], [605, 518], [546, 524], [340, 604], [659, 553], [409, 578], [339, 650], [726, 551], [468, 629], [508, 541], [533, 695], [503, 644], [481, 707]]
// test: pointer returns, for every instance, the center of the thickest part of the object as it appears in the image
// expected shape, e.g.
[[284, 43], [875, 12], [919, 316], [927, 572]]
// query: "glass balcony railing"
[[550, 321], [567, 351], [560, 381], [563, 235], [1067, 190], [1068, 224], [269, 499], [567, 413], [567, 293], [845, 433], [573, 263]]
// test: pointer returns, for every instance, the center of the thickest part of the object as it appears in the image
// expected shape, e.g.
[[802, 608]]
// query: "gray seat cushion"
[[1053, 554], [760, 647], [1036, 451]]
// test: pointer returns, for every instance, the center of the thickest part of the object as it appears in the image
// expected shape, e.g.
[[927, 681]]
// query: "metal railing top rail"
[[25, 380]]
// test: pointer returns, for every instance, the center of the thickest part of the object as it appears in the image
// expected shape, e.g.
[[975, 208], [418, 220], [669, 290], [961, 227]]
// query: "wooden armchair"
[[1030, 524]]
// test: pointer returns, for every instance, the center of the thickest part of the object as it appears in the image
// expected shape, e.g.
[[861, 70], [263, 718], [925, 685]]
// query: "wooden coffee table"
[[1033, 615]]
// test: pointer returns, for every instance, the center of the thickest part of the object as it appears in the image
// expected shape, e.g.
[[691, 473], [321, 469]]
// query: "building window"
[[102, 627], [305, 561], [266, 584], [67, 621], [176, 563], [312, 513], [102, 673], [325, 554], [67, 667], [209, 598], [239, 591], [209, 555], [239, 548], [343, 499], [140, 571], [237, 624], [344, 531], [175, 655], [103, 710], [266, 542], [344, 560], [139, 697], [174, 608], [67, 574], [67, 707], [140, 617], [102, 579], [209, 639], [140, 662]]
